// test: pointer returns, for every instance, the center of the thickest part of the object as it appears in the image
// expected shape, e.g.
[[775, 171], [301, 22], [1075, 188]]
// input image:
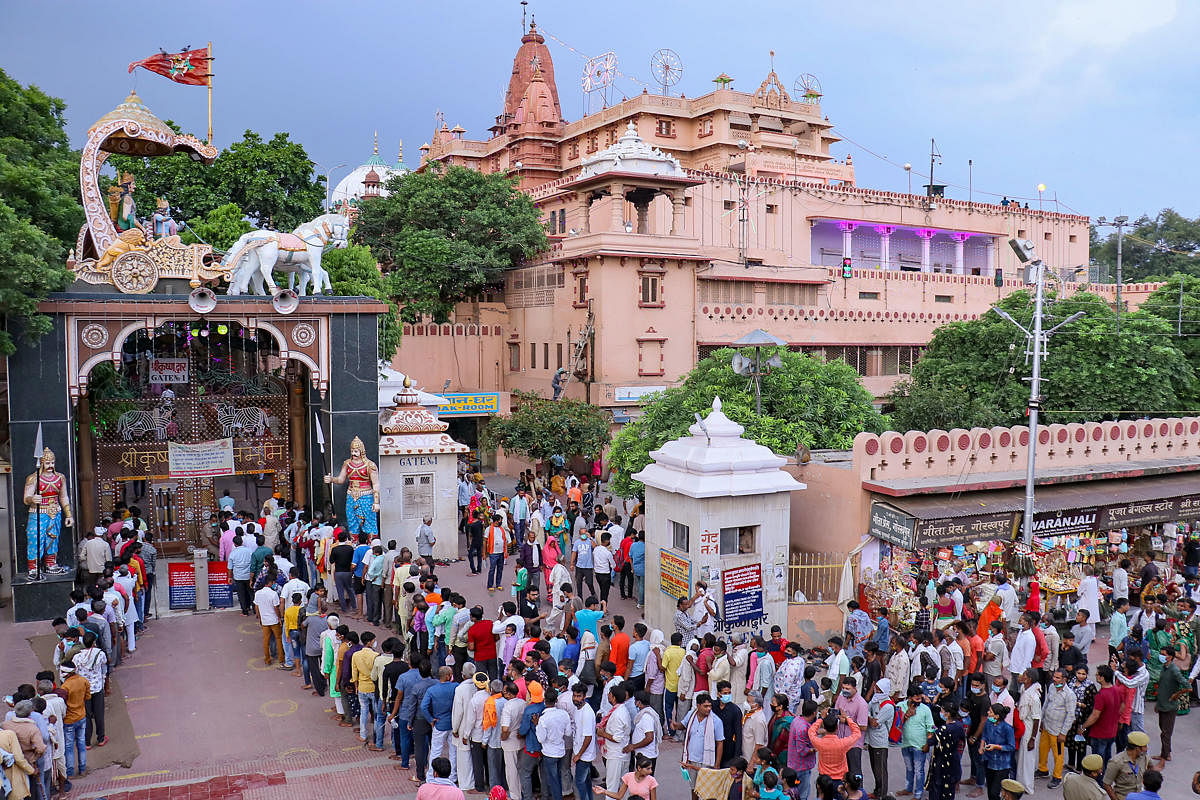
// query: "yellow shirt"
[[360, 670], [291, 619], [672, 658]]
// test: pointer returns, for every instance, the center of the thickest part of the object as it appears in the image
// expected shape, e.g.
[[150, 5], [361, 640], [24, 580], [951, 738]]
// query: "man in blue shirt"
[[529, 758], [638, 650], [1153, 782], [437, 707], [588, 618], [241, 571], [404, 708], [637, 561]]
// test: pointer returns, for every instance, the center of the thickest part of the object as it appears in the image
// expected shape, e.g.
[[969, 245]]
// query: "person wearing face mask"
[[997, 747], [1173, 689], [916, 726], [945, 762], [731, 722], [977, 704], [1029, 710], [1058, 714], [1023, 649], [850, 705], [999, 694], [1085, 692], [882, 714]]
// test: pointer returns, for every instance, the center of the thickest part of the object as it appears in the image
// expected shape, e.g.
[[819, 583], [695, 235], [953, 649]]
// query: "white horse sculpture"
[[258, 253]]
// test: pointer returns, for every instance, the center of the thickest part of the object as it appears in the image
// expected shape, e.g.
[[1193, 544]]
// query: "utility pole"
[[1119, 223], [1037, 339], [1179, 315]]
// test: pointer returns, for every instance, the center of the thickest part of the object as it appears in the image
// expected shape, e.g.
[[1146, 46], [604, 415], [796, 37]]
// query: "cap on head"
[[1138, 739], [1016, 787], [1093, 762]]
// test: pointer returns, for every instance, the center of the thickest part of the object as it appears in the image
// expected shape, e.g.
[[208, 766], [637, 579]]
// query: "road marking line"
[[136, 666], [147, 735], [147, 697], [140, 775]]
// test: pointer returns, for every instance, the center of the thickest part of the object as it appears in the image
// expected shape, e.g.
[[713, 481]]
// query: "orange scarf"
[[490, 718]]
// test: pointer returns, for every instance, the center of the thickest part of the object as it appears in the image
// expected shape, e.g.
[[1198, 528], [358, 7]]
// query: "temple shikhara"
[[680, 224]]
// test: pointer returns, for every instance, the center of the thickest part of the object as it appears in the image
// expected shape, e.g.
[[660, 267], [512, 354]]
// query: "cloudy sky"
[[1089, 97]]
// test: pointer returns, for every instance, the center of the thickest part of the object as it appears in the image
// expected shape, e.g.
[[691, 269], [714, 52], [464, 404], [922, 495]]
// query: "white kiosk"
[[418, 474], [718, 509]]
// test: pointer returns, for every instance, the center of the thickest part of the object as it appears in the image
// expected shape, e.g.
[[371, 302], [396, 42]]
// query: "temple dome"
[[374, 170], [631, 153]]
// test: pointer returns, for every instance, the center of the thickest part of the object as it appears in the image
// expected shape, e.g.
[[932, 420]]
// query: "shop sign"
[[674, 574], [742, 604], [634, 394], [892, 525], [200, 460], [1072, 521], [168, 370], [1147, 512], [469, 404], [931, 533]]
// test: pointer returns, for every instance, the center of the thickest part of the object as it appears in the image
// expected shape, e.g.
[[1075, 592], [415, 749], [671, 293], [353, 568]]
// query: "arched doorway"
[[191, 408]]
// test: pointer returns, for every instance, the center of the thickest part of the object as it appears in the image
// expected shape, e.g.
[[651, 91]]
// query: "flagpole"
[[210, 94]]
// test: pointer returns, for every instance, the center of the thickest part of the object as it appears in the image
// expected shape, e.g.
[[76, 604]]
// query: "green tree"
[[1152, 247], [220, 227], [270, 181], [1181, 312], [806, 401], [974, 373], [39, 213], [539, 428], [354, 272], [444, 235]]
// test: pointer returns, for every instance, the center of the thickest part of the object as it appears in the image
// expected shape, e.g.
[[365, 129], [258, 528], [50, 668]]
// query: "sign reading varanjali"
[[675, 574]]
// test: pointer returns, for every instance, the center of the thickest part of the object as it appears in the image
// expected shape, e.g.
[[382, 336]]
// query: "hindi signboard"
[[459, 405], [168, 370], [200, 460], [931, 533], [181, 585], [742, 604], [892, 525], [675, 574]]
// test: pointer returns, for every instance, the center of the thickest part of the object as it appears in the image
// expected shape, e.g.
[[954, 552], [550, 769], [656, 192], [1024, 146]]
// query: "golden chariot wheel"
[[135, 273]]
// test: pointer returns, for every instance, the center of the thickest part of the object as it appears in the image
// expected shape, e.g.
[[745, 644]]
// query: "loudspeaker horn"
[[202, 300], [286, 301]]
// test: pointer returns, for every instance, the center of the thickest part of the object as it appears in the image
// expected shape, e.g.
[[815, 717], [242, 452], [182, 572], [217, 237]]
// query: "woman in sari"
[[778, 729], [556, 528], [990, 613], [947, 612], [946, 743], [551, 555], [1159, 638], [1184, 640]]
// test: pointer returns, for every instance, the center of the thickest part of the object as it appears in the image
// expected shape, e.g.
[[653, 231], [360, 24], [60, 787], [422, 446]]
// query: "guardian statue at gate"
[[362, 495]]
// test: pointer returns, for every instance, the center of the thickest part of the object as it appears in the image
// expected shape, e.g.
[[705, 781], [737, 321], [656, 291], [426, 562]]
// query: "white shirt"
[[510, 717], [290, 588], [268, 605], [645, 722], [838, 664], [915, 668], [605, 703], [1021, 657], [1008, 601], [957, 596], [956, 656], [619, 727], [475, 716], [602, 560], [553, 726], [1120, 583], [585, 726]]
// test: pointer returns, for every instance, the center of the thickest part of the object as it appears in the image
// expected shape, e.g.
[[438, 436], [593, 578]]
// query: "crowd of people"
[[54, 720]]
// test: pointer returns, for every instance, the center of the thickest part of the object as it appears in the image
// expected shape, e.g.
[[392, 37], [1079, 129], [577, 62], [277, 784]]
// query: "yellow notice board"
[[675, 574]]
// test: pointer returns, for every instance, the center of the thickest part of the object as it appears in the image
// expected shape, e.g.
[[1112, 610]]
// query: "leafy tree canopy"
[[1181, 312], [220, 227], [1152, 247], [39, 213], [445, 234], [815, 403], [973, 373], [353, 272], [269, 180], [539, 428]]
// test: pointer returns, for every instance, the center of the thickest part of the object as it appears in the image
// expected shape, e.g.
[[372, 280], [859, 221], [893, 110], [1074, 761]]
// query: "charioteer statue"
[[362, 494], [49, 510]]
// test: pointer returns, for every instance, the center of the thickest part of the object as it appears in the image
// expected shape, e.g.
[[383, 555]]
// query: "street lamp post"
[[1119, 223], [328, 186]]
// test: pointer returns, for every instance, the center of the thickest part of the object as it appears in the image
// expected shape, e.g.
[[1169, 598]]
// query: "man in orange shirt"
[[831, 748], [75, 720], [619, 647]]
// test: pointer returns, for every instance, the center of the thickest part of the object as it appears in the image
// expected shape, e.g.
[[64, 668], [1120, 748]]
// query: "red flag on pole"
[[190, 67]]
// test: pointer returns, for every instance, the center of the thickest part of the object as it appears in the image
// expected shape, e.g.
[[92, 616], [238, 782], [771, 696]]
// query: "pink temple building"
[[678, 225]]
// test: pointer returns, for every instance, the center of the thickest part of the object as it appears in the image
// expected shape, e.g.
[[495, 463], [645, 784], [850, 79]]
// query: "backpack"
[[897, 729]]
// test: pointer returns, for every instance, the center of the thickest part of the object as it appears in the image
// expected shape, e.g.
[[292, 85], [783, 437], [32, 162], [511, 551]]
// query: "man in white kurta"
[[460, 731]]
